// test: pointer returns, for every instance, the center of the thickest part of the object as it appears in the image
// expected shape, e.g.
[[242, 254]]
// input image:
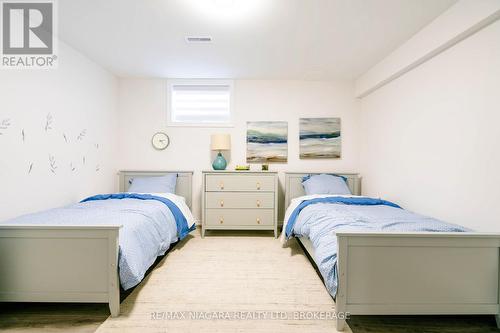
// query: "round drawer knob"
[[221, 220], [258, 203], [258, 185], [222, 203], [221, 185], [258, 220]]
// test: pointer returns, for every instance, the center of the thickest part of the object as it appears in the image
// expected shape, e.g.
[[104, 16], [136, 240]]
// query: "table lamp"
[[220, 142]]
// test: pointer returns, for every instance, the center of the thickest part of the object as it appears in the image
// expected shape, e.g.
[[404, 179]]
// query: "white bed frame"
[[411, 273], [70, 263]]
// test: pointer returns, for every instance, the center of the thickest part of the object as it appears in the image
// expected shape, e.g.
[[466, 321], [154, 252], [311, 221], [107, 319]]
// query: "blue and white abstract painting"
[[320, 138], [267, 141]]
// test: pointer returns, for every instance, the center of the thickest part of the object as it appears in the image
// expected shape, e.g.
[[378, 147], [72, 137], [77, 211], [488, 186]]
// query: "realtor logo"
[[28, 34]]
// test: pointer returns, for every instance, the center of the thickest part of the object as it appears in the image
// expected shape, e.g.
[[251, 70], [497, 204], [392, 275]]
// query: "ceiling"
[[252, 39]]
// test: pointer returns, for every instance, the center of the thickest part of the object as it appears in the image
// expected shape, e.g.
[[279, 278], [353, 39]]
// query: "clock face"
[[160, 141]]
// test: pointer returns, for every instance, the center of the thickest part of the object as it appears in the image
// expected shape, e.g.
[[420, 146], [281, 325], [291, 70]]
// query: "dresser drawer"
[[238, 217], [239, 200], [237, 183]]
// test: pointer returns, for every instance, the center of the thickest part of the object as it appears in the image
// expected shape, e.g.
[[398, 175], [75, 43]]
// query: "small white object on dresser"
[[240, 200]]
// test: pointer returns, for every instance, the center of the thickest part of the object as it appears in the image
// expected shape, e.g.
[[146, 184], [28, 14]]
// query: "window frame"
[[215, 82]]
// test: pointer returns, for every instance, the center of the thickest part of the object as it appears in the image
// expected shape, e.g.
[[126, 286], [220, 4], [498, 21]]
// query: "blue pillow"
[[156, 184], [325, 184]]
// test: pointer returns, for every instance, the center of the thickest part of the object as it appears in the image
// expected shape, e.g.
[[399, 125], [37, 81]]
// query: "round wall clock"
[[160, 141]]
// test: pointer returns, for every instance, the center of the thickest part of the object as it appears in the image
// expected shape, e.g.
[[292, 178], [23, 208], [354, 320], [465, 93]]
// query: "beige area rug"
[[228, 283]]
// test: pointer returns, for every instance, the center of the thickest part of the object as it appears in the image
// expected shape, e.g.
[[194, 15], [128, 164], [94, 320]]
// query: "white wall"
[[79, 95], [142, 111], [460, 21], [430, 138]]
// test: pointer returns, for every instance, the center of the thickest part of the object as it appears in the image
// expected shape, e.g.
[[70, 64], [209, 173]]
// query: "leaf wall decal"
[[5, 124], [48, 122], [52, 164], [81, 135]]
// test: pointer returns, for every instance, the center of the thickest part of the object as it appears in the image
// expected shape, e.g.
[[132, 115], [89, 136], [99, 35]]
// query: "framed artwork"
[[320, 138], [267, 141]]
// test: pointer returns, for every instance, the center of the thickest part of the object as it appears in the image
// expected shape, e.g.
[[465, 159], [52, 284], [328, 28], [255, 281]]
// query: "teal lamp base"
[[219, 162]]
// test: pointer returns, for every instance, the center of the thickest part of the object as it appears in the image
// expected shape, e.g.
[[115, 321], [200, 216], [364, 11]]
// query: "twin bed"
[[84, 252], [376, 258]]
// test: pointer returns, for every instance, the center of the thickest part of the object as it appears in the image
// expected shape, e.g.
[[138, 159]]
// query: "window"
[[199, 102]]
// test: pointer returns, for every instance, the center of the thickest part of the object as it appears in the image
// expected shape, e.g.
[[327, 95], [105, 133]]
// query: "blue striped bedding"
[[319, 219], [150, 224]]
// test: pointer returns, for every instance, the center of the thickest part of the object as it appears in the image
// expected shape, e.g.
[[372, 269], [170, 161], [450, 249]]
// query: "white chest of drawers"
[[240, 200]]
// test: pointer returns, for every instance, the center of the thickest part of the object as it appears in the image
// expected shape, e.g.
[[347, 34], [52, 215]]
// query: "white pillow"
[[180, 202]]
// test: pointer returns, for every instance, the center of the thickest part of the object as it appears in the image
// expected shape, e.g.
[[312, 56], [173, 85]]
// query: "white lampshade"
[[220, 142]]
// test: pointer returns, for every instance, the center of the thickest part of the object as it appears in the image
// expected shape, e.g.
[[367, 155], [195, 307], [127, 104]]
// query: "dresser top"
[[240, 171]]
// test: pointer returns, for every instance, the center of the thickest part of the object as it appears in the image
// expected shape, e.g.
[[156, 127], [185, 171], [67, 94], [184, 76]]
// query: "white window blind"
[[200, 104]]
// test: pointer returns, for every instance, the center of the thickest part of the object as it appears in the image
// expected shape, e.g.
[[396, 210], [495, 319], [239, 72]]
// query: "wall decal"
[[5, 124], [320, 138], [48, 122], [27, 137], [52, 164], [267, 141], [81, 135]]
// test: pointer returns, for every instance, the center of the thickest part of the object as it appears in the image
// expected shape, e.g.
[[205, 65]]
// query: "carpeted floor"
[[247, 282]]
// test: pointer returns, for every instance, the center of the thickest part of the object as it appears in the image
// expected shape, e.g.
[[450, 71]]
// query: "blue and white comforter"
[[150, 223], [319, 217]]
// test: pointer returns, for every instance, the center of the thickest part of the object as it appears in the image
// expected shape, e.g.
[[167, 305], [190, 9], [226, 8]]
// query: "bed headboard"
[[184, 186], [294, 188]]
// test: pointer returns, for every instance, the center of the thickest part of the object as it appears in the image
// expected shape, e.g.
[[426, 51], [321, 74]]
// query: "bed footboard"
[[417, 273], [41, 263]]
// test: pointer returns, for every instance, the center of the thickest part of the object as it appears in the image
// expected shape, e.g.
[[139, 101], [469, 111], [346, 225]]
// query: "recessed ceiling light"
[[229, 10], [224, 3], [198, 39]]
